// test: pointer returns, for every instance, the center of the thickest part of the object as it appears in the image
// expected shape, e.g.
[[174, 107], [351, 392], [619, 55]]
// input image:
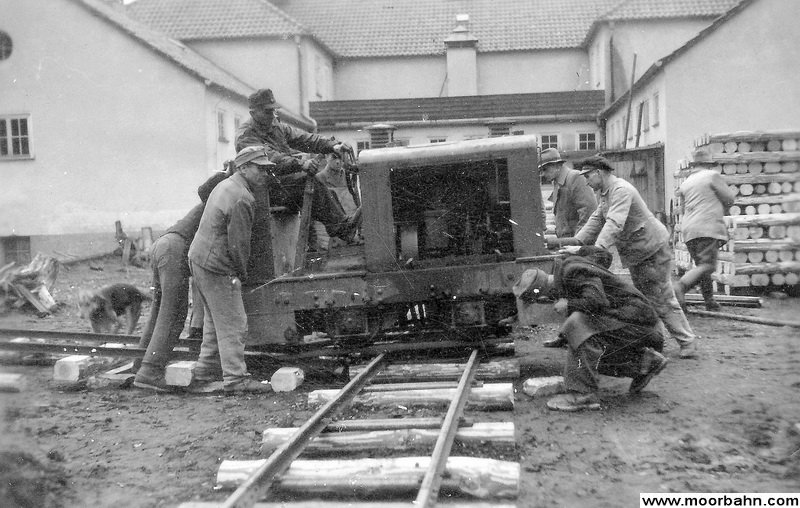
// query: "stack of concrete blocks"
[[763, 171]]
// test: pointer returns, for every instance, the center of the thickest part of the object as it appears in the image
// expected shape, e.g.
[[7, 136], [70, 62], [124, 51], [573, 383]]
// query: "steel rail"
[[429, 490], [256, 487]]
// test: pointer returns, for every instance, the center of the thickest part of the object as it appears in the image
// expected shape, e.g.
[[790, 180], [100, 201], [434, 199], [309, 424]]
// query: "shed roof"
[[553, 105]]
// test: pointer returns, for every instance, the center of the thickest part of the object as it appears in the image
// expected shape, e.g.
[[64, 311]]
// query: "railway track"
[[345, 477], [331, 353]]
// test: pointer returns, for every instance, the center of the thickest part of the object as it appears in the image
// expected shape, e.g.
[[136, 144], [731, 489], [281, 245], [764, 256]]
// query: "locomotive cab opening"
[[446, 212]]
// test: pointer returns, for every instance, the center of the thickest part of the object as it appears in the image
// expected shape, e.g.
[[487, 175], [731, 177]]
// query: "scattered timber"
[[496, 370], [489, 397], [497, 433], [749, 319], [478, 477]]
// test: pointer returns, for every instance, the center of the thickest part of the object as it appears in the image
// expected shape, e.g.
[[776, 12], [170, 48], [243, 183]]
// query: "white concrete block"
[[180, 373], [543, 386], [74, 368], [287, 379], [11, 382]]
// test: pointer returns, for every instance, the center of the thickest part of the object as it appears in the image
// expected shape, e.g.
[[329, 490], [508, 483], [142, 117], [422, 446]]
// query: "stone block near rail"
[[287, 379]]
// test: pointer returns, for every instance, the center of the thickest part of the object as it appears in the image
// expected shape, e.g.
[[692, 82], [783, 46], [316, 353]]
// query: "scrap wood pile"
[[29, 285], [763, 171]]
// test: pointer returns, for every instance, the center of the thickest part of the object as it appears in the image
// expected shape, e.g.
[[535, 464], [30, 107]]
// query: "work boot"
[[151, 377], [574, 401], [712, 306], [248, 385], [688, 349], [555, 342], [653, 363]]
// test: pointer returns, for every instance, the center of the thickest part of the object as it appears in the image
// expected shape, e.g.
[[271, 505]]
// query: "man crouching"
[[610, 328]]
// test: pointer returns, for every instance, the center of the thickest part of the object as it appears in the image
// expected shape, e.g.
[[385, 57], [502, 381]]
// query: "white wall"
[[533, 71], [389, 78], [744, 76], [114, 137]]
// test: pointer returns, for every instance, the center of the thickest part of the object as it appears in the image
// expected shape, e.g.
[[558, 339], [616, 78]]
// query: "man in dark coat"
[[573, 200], [285, 147], [610, 329]]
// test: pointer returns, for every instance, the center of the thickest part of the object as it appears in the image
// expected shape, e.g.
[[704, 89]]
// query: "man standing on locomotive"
[[610, 327], [573, 200], [218, 258], [282, 144], [623, 220]]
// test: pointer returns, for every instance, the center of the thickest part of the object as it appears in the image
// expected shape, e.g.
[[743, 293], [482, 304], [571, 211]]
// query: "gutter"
[[587, 117]]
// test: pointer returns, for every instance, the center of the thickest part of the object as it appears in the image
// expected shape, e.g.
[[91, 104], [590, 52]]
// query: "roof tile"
[[329, 113]]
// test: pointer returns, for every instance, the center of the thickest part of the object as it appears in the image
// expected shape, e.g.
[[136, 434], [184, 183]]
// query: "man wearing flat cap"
[[573, 200], [285, 146], [218, 259], [622, 220], [610, 328]]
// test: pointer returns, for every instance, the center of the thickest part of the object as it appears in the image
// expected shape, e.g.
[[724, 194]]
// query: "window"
[[361, 145], [221, 137], [549, 141], [17, 249], [645, 116], [495, 131], [587, 141], [237, 122], [15, 142], [438, 140], [655, 109], [6, 46], [517, 133]]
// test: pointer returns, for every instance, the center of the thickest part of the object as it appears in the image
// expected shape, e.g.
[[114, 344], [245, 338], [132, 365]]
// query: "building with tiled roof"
[[737, 74], [113, 121]]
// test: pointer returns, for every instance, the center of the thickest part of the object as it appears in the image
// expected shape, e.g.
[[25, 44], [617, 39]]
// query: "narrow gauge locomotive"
[[447, 228]]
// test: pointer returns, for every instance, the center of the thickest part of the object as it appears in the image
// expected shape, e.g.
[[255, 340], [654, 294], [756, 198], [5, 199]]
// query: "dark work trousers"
[[617, 353], [170, 302], [704, 254]]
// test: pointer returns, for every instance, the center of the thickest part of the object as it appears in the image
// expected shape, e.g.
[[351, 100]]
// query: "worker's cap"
[[533, 284], [549, 156], [702, 156], [262, 99], [593, 162], [252, 155]]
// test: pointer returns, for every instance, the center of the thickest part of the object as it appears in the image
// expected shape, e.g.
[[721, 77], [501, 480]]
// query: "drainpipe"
[[300, 69]]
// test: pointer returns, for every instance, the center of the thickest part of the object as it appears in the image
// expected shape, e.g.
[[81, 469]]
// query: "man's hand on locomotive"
[[311, 166], [342, 148]]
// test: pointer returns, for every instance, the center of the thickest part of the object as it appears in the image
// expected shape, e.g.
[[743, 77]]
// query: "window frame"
[[7, 137], [655, 115], [222, 131], [593, 142], [549, 143]]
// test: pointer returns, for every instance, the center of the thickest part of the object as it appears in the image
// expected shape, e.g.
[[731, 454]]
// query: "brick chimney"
[[462, 59], [381, 135]]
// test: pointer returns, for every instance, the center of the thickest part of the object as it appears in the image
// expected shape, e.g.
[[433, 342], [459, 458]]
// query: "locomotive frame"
[[448, 228]]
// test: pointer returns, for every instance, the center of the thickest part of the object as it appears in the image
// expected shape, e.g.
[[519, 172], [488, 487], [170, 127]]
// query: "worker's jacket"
[[222, 242], [573, 202], [599, 300], [281, 141]]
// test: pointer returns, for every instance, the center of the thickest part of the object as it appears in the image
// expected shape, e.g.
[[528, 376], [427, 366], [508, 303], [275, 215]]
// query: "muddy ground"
[[728, 421]]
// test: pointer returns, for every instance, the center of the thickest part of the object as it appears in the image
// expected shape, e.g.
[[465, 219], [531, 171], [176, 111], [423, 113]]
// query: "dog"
[[103, 307]]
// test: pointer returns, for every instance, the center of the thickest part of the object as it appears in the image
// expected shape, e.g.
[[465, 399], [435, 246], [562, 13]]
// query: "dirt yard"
[[728, 421]]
